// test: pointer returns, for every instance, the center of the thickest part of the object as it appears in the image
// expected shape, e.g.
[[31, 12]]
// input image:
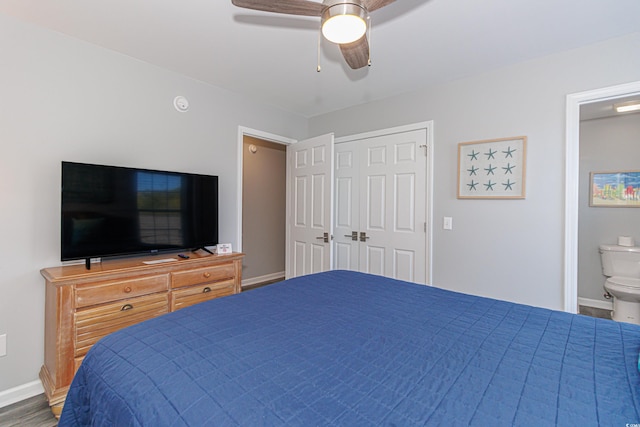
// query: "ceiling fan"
[[344, 22]]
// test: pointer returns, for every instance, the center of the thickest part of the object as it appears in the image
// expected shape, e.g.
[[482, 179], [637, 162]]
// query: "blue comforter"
[[349, 349]]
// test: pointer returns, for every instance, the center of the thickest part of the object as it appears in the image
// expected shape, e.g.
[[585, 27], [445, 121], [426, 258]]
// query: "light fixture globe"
[[344, 23]]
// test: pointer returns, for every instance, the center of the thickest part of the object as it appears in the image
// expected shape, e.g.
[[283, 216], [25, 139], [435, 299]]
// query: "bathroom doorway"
[[608, 143], [573, 178]]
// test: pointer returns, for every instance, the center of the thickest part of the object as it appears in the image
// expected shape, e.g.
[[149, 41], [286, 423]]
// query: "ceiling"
[[272, 58], [602, 109]]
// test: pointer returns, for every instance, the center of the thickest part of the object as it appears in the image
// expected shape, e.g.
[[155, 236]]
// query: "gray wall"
[[607, 144], [264, 203], [63, 99], [508, 249]]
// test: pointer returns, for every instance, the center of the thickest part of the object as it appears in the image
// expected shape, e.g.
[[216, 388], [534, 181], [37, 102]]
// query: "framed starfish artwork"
[[492, 169]]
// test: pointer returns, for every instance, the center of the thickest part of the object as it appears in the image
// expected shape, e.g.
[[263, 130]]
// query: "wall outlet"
[[3, 345]]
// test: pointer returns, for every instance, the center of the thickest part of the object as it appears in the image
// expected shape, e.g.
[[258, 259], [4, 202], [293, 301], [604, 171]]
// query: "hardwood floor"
[[261, 284], [32, 412], [594, 312]]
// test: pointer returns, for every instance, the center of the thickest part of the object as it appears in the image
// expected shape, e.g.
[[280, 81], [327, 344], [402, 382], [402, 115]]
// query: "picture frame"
[[492, 168], [618, 189], [223, 248]]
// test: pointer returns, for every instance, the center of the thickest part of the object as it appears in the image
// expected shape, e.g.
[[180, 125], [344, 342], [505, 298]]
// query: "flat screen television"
[[113, 211]]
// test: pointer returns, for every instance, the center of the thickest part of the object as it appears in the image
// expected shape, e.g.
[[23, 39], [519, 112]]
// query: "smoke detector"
[[181, 103]]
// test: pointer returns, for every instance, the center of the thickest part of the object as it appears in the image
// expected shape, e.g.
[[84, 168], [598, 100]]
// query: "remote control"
[[183, 256]]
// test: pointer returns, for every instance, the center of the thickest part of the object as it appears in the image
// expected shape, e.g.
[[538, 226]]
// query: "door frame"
[[572, 169], [428, 127], [242, 132]]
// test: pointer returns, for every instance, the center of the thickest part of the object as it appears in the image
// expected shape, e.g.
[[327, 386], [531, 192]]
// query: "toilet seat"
[[628, 283]]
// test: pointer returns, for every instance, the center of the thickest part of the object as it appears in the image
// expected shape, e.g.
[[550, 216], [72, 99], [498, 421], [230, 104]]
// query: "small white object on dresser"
[[223, 248]]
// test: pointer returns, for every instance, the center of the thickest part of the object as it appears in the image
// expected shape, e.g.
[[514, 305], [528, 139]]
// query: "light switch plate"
[[447, 223]]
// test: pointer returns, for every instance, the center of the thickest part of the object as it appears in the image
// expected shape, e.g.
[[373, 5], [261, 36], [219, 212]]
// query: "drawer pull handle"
[[127, 289], [205, 290], [126, 307], [207, 274]]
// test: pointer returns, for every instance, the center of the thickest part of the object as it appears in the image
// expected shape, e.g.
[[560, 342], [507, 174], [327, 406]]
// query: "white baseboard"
[[261, 279], [596, 303], [22, 392]]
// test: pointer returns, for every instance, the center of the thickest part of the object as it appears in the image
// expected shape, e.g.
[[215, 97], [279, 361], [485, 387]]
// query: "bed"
[[348, 349]]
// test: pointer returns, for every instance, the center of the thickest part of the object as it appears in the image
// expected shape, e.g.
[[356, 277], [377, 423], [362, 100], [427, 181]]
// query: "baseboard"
[[262, 279], [596, 303], [22, 392]]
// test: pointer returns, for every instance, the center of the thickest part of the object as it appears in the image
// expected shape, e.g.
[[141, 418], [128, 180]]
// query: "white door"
[[310, 172], [347, 206], [381, 195]]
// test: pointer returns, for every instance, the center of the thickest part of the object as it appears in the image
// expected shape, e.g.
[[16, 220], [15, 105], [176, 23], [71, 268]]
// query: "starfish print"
[[489, 185], [508, 169], [473, 156], [490, 169], [490, 154], [509, 152], [508, 185], [472, 186], [473, 170]]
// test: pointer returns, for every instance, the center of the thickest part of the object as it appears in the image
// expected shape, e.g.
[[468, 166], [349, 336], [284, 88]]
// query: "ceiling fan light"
[[344, 23], [625, 107]]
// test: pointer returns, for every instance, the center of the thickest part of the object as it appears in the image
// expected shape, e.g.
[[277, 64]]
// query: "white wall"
[[508, 249], [609, 144], [62, 99]]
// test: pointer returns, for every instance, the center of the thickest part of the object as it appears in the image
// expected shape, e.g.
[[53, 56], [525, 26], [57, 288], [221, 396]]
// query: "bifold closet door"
[[380, 212]]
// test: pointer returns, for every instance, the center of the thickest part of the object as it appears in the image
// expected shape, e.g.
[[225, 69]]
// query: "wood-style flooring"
[[594, 312], [32, 412]]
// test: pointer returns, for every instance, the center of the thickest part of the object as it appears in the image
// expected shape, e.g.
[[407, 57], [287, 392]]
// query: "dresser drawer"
[[180, 279], [76, 364], [94, 323], [102, 292], [188, 296]]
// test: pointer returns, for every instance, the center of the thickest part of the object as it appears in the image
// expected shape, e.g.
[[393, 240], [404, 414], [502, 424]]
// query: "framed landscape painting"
[[615, 189]]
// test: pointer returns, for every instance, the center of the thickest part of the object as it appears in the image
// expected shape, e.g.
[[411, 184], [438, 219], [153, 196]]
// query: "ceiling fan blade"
[[290, 7], [356, 53], [372, 5]]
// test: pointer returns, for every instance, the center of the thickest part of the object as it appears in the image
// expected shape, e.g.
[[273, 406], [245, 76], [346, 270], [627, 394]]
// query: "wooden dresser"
[[82, 306]]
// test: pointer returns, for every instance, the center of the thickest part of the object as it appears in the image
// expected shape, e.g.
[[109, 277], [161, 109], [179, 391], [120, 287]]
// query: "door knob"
[[363, 236], [324, 238], [353, 235]]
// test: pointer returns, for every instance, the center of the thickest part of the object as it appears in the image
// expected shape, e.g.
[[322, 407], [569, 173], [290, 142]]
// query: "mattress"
[[347, 349]]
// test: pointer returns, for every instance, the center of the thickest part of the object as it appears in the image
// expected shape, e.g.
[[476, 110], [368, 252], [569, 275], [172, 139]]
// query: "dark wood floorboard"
[[259, 285], [594, 312], [32, 412]]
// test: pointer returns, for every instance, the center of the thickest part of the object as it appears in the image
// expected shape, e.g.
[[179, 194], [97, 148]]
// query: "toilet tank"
[[622, 261]]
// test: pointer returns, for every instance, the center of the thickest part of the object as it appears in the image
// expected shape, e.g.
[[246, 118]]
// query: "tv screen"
[[109, 211]]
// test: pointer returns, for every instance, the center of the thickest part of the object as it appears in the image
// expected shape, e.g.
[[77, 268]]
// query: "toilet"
[[621, 265]]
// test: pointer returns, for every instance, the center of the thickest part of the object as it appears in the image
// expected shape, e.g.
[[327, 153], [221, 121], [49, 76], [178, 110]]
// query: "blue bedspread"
[[349, 349]]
